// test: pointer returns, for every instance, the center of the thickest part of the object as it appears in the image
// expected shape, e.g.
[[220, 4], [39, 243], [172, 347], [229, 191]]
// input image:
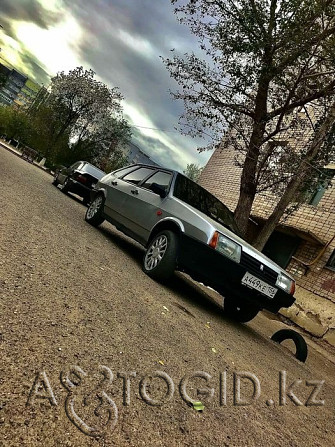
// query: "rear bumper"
[[80, 189], [206, 265]]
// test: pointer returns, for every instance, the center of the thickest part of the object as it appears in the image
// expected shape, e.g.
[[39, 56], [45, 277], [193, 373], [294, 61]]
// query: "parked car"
[[79, 178], [184, 227]]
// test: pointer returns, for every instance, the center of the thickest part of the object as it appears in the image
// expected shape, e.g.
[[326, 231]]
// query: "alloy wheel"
[[156, 252], [94, 207]]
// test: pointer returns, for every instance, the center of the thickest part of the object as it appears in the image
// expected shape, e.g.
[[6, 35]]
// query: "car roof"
[[88, 163], [162, 168]]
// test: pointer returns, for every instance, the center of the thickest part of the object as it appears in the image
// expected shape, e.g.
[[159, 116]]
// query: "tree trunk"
[[297, 181], [279, 210], [248, 176]]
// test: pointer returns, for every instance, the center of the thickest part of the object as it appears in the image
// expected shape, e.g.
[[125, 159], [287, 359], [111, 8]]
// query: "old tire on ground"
[[159, 261], [239, 312], [94, 213], [299, 341]]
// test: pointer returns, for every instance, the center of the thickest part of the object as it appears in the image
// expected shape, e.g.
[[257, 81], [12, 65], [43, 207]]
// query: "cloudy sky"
[[122, 40]]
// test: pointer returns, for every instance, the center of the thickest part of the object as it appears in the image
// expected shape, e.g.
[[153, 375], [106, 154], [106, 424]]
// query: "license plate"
[[257, 284]]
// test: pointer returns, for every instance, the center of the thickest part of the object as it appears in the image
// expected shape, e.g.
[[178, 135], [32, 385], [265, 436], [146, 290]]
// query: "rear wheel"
[[55, 180], [160, 258], [94, 213], [65, 186], [239, 312]]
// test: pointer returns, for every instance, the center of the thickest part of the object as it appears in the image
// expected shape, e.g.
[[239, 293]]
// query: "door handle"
[[134, 191], [114, 183]]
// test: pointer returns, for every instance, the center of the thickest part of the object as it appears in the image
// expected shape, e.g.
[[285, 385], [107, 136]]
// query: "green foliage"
[[117, 160], [32, 130], [193, 171], [80, 101], [263, 60], [80, 120], [14, 124]]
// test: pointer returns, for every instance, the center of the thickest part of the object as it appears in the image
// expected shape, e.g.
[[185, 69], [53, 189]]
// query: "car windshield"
[[196, 196], [92, 170]]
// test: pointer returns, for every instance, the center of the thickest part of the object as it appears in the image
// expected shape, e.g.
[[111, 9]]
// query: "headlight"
[[226, 246], [285, 283]]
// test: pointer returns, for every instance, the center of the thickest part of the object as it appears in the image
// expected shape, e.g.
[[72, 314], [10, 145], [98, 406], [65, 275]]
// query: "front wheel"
[[94, 213], [239, 312], [160, 258]]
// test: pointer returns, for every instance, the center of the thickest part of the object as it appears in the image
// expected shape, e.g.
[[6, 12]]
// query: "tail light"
[[213, 242], [292, 290], [81, 179]]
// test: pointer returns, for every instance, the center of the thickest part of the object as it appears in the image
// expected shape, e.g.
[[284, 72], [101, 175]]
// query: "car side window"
[[75, 166], [123, 171], [137, 176], [162, 179]]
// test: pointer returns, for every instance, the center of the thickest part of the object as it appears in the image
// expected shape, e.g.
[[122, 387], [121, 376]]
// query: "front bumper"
[[207, 265]]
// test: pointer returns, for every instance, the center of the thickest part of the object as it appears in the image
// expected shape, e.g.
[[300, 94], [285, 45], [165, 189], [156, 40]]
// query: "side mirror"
[[158, 189]]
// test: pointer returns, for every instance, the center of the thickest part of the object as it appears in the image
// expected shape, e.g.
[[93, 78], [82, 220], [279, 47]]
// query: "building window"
[[331, 261], [325, 181]]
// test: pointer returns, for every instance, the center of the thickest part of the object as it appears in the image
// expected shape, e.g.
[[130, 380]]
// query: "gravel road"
[[73, 296]]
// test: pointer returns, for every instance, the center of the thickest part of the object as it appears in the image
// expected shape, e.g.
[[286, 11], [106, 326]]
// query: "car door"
[[118, 189], [142, 204]]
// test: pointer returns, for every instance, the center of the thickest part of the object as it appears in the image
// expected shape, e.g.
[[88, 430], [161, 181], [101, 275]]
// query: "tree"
[[102, 136], [117, 159], [15, 124], [264, 60], [81, 119], [193, 171], [80, 101], [35, 130], [111, 156], [323, 141]]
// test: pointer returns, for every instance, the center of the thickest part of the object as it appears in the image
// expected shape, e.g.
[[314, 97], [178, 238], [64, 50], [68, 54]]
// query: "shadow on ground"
[[189, 292]]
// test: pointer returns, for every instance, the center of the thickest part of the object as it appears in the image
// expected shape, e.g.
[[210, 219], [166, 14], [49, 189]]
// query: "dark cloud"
[[135, 66], [28, 11], [158, 151], [31, 63], [123, 41]]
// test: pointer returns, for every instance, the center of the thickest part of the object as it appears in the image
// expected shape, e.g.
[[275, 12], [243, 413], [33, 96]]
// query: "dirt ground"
[[78, 315]]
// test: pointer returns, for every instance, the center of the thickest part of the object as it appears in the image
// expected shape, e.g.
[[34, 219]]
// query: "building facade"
[[17, 90], [28, 94], [15, 80]]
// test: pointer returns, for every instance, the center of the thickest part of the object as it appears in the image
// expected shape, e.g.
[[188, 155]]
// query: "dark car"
[[184, 227], [80, 178]]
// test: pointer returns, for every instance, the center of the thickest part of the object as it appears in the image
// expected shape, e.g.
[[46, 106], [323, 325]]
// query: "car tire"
[[55, 180], [239, 312], [299, 341], [94, 213], [159, 261], [65, 187]]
